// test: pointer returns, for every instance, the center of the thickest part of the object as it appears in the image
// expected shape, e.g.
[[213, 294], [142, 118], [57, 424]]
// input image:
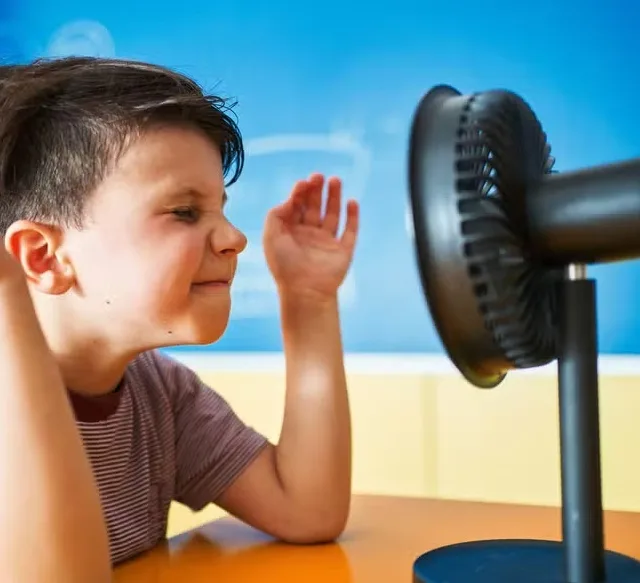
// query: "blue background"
[[332, 86]]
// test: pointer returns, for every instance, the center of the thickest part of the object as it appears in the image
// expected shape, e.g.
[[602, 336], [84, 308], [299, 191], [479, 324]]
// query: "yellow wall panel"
[[432, 434]]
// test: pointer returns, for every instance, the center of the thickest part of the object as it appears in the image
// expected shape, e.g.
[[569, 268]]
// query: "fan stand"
[[580, 557]]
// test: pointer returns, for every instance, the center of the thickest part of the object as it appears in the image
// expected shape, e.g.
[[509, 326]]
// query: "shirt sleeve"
[[213, 446]]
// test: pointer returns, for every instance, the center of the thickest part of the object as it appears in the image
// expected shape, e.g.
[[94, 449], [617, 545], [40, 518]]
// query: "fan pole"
[[582, 523]]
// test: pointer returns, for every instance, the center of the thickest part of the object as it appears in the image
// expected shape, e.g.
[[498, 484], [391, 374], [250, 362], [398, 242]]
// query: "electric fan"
[[502, 244]]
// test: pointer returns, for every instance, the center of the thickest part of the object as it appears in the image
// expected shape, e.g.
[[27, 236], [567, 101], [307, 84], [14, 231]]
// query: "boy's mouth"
[[212, 284]]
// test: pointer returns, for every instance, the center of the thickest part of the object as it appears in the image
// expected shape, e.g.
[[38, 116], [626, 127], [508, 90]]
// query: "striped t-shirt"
[[162, 436]]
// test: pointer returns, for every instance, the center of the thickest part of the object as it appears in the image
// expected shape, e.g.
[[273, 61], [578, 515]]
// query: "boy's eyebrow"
[[192, 194]]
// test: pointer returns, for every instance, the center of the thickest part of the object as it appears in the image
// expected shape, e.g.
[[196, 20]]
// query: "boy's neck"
[[90, 364], [91, 375]]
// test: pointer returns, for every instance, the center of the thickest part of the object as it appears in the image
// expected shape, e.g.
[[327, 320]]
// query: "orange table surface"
[[383, 538]]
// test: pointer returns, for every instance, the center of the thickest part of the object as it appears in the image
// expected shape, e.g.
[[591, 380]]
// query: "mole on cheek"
[[108, 302]]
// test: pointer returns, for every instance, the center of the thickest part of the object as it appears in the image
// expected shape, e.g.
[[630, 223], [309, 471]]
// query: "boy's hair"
[[65, 122]]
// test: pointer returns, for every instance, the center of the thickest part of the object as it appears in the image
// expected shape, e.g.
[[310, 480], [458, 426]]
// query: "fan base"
[[511, 561]]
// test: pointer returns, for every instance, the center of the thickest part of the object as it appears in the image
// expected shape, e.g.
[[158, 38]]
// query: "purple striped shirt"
[[162, 436]]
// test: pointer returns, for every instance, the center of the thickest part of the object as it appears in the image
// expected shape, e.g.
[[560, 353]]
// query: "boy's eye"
[[188, 214]]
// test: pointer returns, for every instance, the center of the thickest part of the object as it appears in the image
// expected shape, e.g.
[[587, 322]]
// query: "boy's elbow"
[[311, 535], [315, 529]]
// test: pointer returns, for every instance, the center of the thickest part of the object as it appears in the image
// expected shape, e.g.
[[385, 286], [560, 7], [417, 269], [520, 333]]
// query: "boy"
[[112, 192]]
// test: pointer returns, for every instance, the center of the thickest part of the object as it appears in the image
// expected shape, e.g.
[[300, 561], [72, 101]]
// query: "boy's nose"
[[228, 240]]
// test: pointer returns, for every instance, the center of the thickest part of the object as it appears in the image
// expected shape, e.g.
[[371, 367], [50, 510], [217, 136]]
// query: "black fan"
[[502, 246]]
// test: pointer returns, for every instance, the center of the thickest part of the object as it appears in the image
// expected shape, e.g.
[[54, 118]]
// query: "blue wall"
[[332, 87]]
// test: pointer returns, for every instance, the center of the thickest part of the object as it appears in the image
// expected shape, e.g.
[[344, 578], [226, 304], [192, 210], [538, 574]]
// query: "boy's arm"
[[300, 489], [51, 524]]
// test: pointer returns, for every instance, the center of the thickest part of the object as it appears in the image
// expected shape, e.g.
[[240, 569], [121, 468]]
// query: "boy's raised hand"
[[305, 253]]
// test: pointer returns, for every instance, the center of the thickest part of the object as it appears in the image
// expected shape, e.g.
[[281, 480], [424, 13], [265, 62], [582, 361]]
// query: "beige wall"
[[431, 434]]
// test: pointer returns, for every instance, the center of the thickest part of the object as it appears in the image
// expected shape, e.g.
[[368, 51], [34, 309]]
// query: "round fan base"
[[511, 561]]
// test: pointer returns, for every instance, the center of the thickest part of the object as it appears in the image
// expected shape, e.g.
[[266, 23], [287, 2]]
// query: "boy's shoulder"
[[154, 372], [153, 365]]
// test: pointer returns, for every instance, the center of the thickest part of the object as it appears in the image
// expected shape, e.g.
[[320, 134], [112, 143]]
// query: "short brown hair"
[[65, 122]]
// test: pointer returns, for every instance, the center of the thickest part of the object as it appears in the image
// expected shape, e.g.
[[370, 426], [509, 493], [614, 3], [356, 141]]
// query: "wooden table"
[[383, 538]]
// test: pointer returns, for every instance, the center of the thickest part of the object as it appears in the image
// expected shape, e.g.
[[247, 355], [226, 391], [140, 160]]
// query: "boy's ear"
[[38, 249]]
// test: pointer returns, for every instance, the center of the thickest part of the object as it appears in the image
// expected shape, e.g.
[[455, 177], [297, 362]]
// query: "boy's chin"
[[201, 335]]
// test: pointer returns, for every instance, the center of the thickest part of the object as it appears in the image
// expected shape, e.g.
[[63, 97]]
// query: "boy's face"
[[153, 264]]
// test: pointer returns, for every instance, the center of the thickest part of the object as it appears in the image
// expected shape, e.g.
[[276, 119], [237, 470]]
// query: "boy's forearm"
[[51, 522], [314, 451]]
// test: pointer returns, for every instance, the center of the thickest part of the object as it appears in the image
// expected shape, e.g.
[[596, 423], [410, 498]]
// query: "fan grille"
[[500, 151]]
